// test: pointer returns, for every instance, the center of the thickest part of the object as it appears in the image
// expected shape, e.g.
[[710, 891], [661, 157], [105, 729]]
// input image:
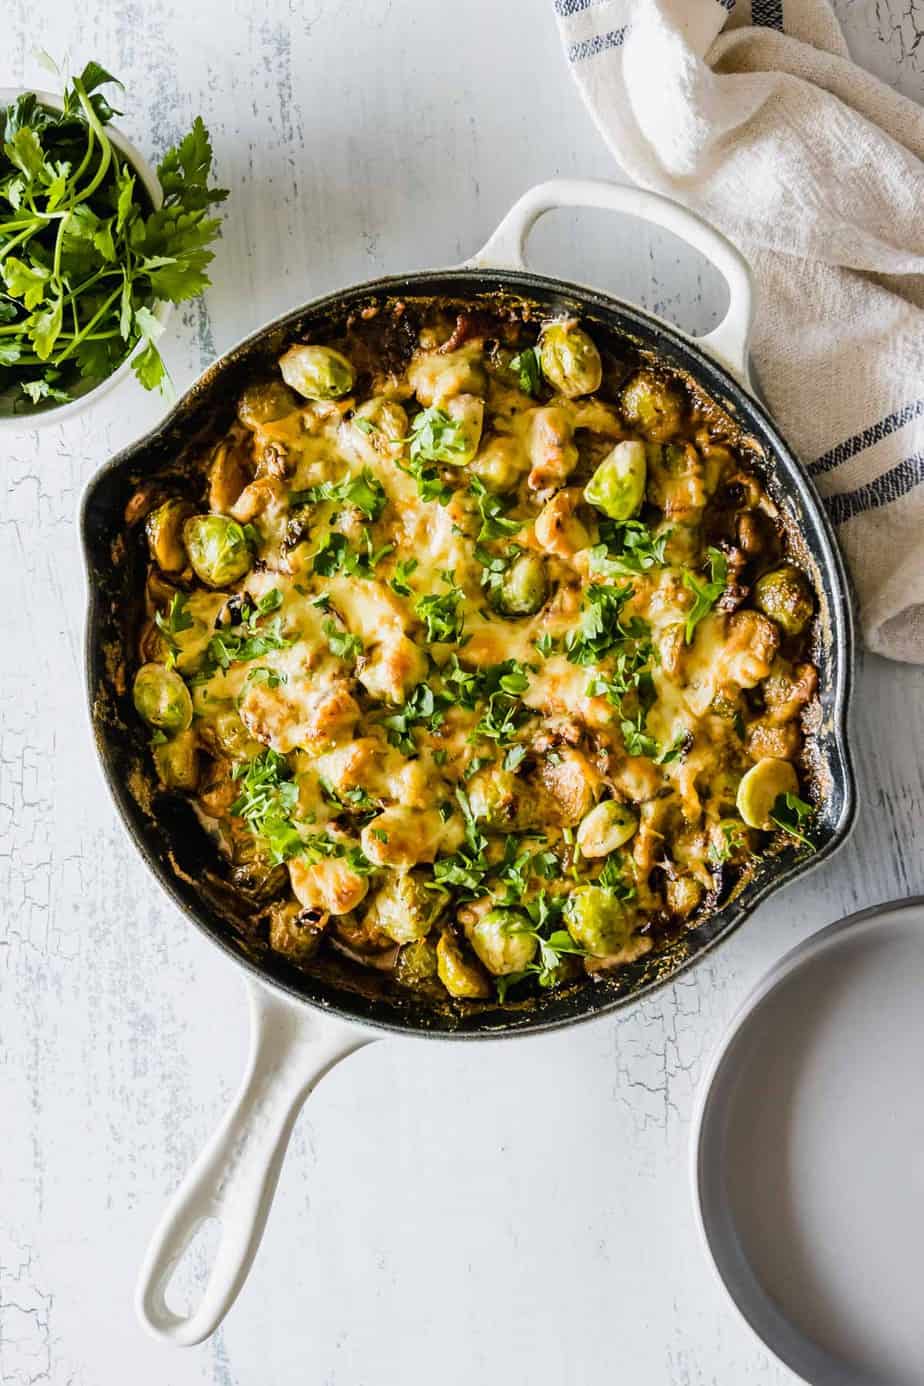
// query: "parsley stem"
[[23, 236], [84, 332], [105, 146]]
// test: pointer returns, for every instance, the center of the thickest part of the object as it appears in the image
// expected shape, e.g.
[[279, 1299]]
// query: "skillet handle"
[[235, 1176], [728, 342]]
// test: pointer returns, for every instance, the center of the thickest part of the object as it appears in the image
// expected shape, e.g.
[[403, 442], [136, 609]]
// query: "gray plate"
[[809, 1153]]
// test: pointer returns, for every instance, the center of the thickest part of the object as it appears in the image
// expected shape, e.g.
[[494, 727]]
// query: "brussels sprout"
[[177, 761], [233, 737], [265, 403], [569, 360], [165, 535], [458, 975], [761, 787], [496, 798], [785, 596], [523, 588], [598, 921], [500, 463], [416, 966], [218, 549], [504, 941], [617, 487], [162, 698], [404, 909], [651, 405], [605, 828], [294, 931], [317, 372]]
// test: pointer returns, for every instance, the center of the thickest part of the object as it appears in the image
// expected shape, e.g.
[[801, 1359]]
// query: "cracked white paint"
[[516, 1214]]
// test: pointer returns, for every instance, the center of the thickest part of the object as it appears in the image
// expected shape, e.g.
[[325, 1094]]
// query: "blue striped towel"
[[752, 113]]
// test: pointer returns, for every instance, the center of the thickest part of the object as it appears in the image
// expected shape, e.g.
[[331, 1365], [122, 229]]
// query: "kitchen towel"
[[753, 114]]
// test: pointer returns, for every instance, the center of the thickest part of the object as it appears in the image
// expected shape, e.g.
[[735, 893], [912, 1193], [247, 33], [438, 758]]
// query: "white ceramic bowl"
[[55, 413], [808, 1174]]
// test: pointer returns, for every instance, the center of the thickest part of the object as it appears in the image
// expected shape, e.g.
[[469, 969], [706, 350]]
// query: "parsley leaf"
[[342, 643], [268, 794], [627, 547], [364, 491], [441, 615], [789, 813], [403, 569], [491, 509], [706, 593], [527, 369], [435, 437]]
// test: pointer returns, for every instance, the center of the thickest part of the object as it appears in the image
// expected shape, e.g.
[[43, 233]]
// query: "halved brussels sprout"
[[605, 828], [162, 698], [265, 403], [652, 405], [218, 549], [504, 941], [458, 975], [523, 587], [598, 921], [233, 737], [165, 535], [416, 966], [617, 487], [495, 796], [570, 362], [404, 909], [317, 372], [786, 597], [761, 787]]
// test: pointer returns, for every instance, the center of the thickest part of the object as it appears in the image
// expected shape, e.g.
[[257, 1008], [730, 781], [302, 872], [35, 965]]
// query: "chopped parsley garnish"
[[248, 640], [789, 813], [442, 616], [525, 366], [423, 708], [706, 593], [491, 508], [403, 569], [341, 642], [268, 794], [435, 437], [627, 547], [172, 623], [600, 629], [334, 555], [364, 491], [271, 678]]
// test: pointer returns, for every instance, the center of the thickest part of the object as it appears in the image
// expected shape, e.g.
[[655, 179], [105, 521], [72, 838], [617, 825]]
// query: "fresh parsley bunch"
[[84, 256]]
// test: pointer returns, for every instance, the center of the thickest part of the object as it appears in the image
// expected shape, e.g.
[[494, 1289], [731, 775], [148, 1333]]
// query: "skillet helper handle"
[[728, 342], [235, 1176]]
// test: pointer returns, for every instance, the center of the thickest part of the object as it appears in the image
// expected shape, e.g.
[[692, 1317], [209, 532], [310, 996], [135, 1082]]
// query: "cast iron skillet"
[[293, 1045]]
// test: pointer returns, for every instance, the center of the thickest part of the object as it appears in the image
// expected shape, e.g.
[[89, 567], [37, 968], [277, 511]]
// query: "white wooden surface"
[[518, 1213]]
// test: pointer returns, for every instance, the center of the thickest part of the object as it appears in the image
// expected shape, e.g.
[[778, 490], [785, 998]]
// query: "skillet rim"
[[720, 384]]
